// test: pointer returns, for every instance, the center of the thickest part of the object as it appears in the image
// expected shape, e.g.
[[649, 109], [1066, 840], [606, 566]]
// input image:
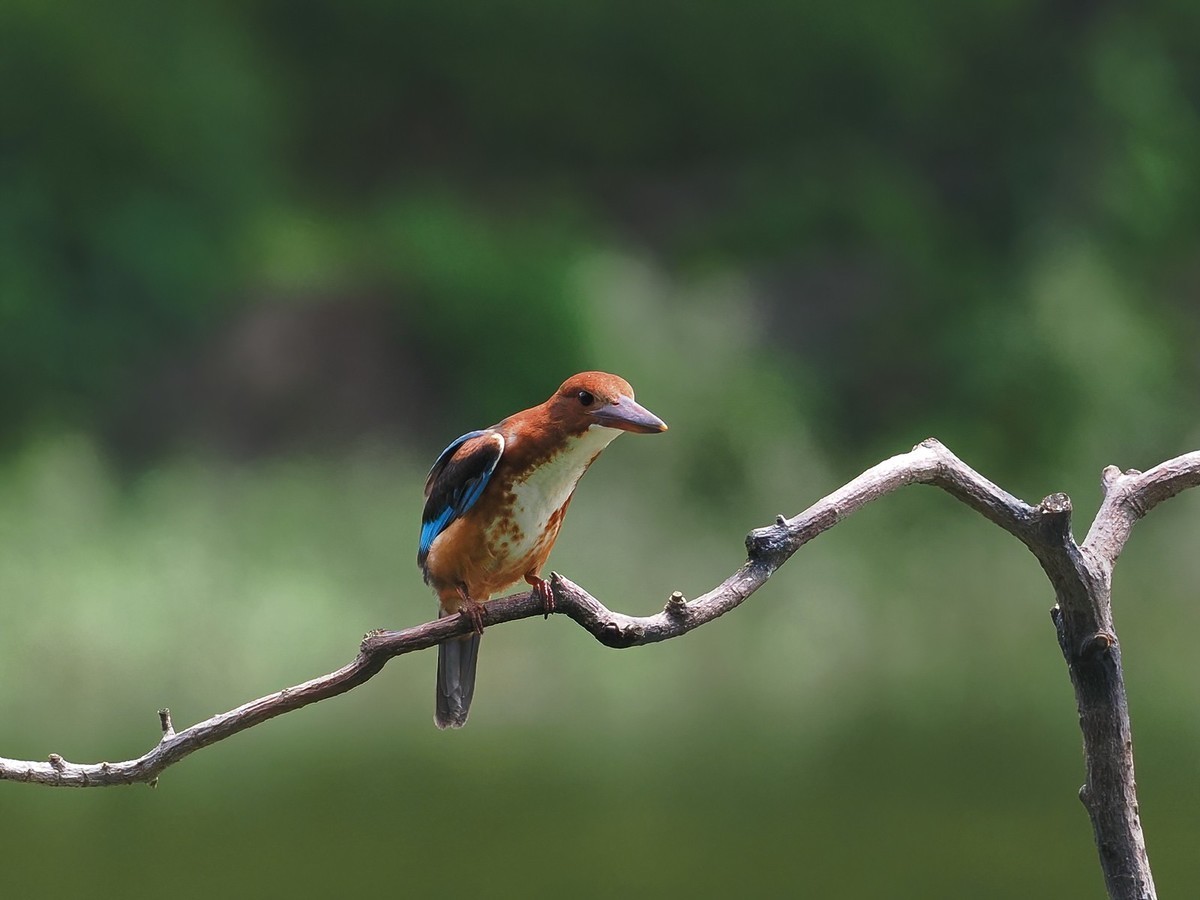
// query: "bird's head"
[[597, 398]]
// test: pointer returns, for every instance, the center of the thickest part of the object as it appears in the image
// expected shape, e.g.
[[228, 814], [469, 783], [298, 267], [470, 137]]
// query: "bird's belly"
[[490, 556], [519, 540]]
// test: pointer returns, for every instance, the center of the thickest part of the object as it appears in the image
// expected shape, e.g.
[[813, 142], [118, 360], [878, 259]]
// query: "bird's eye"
[[586, 398]]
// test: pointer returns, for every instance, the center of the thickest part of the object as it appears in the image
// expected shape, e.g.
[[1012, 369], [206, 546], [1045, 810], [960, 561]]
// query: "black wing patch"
[[456, 481]]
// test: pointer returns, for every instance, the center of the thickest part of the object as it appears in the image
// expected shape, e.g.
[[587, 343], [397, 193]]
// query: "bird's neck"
[[546, 485]]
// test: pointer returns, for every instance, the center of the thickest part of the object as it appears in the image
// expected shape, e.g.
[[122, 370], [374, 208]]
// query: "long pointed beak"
[[628, 416]]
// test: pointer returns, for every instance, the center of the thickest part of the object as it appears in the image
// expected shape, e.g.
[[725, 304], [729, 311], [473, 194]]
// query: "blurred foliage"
[[981, 201], [260, 260]]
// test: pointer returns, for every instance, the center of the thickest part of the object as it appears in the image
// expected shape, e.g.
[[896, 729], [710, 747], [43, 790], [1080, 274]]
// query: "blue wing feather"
[[455, 484], [431, 529]]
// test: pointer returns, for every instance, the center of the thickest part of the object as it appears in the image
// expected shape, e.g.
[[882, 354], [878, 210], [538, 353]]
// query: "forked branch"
[[1081, 575]]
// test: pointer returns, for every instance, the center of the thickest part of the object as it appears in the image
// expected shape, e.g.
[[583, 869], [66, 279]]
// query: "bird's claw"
[[542, 588], [473, 612]]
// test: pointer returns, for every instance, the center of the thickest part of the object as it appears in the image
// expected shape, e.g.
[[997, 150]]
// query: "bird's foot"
[[474, 613], [472, 610], [542, 588]]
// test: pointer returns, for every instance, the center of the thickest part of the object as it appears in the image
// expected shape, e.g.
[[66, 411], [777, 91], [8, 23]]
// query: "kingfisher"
[[494, 503]]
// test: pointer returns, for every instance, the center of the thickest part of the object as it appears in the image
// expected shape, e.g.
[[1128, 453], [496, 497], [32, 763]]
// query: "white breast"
[[547, 488]]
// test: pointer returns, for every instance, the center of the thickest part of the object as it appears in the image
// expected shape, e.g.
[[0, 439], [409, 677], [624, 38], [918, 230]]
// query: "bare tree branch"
[[1081, 576], [1130, 495]]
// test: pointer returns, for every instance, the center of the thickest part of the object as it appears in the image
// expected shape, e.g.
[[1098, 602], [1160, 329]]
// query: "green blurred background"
[[260, 261]]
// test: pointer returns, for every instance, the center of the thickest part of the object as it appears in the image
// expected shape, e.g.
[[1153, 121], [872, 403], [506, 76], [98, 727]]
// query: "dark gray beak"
[[628, 416]]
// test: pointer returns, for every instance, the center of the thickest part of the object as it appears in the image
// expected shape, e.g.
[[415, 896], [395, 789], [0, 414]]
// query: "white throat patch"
[[547, 487]]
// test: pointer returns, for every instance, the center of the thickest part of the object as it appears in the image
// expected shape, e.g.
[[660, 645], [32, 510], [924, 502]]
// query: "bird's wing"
[[456, 481]]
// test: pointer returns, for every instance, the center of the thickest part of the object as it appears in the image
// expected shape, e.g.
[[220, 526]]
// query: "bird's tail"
[[456, 680]]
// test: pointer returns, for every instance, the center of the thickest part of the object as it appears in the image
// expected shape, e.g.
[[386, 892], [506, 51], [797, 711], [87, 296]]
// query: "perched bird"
[[495, 500]]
